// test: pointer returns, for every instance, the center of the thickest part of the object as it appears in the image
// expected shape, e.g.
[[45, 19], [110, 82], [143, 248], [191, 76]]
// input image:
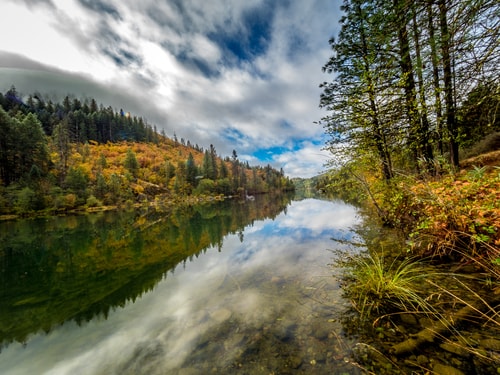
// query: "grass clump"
[[377, 288]]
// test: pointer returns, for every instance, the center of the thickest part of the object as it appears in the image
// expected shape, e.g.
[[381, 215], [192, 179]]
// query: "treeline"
[[413, 82], [83, 120], [51, 161]]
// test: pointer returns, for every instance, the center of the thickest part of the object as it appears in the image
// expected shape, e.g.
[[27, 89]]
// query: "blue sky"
[[238, 74]]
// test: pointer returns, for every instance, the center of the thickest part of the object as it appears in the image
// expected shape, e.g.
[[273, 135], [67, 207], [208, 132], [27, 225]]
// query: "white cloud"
[[308, 161], [32, 32], [205, 49], [172, 58], [321, 220]]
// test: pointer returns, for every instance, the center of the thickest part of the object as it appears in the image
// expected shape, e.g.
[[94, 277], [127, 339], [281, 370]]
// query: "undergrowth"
[[454, 212], [453, 222]]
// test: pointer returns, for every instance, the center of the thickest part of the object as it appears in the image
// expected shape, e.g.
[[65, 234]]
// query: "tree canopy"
[[412, 80]]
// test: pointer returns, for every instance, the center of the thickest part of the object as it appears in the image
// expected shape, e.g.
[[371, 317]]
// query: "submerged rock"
[[221, 315], [490, 344], [294, 361], [320, 330], [446, 370], [454, 348], [422, 359], [189, 371], [409, 319]]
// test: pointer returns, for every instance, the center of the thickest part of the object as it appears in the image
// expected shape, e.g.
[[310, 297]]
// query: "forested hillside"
[[61, 156]]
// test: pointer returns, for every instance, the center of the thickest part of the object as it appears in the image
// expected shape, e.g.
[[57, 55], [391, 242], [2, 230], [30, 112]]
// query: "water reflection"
[[54, 270], [262, 305]]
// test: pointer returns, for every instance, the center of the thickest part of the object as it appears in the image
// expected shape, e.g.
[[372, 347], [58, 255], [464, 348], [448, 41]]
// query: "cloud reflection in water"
[[210, 305]]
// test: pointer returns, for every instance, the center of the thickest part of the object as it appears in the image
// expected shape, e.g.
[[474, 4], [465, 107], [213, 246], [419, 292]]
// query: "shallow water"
[[260, 298]]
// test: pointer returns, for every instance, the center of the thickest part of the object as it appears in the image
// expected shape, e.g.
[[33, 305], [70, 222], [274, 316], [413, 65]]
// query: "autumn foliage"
[[52, 162], [457, 215]]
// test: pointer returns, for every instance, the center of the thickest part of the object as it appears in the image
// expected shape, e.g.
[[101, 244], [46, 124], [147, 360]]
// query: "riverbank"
[[430, 303], [454, 216], [159, 202]]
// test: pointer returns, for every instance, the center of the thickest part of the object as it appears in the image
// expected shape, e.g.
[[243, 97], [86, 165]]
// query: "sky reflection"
[[252, 284]]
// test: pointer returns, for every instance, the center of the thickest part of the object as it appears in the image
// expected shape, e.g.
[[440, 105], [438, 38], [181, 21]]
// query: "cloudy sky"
[[238, 74]]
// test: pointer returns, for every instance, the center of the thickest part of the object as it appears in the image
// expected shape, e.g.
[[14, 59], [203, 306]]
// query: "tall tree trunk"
[[435, 77], [427, 152], [415, 133], [451, 121], [378, 132]]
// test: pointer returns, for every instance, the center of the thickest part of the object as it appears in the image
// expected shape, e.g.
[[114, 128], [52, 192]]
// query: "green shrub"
[[205, 186], [28, 200], [93, 202], [25, 199], [77, 181]]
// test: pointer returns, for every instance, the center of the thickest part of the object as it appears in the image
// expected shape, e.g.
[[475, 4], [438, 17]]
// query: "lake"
[[235, 286]]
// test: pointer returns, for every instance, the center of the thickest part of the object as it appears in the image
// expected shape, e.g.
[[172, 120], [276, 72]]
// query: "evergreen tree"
[[62, 143], [180, 179], [6, 148], [191, 171], [103, 164], [12, 100], [223, 171], [358, 98], [235, 171], [372, 83], [131, 162], [32, 140], [213, 163], [76, 181], [418, 131], [100, 187], [208, 167]]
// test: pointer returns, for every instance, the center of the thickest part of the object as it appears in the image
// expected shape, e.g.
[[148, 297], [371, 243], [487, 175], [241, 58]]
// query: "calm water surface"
[[234, 287]]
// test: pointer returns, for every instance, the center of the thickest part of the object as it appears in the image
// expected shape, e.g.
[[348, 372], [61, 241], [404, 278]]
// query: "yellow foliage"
[[136, 188], [70, 200], [454, 211], [76, 158]]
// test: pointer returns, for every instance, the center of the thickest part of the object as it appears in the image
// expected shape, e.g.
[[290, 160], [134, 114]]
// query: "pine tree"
[[359, 100], [131, 162], [191, 171]]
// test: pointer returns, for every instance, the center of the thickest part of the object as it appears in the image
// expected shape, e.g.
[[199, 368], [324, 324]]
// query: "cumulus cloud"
[[307, 161], [240, 74]]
